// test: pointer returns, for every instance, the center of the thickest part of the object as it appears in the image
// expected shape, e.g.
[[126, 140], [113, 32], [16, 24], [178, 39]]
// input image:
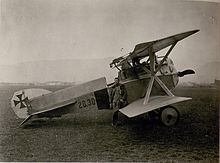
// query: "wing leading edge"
[[137, 107]]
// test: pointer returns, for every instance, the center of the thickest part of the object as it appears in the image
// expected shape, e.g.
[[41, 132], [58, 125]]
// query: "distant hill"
[[81, 70], [207, 73], [188, 84], [75, 70]]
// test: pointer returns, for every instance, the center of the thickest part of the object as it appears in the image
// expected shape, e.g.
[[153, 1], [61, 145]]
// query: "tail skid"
[[24, 121]]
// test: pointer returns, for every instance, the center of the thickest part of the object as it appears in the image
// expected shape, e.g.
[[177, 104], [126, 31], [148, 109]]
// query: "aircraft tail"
[[21, 101]]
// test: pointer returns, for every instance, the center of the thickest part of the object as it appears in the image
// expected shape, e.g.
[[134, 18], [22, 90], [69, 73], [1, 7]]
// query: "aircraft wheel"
[[169, 116]]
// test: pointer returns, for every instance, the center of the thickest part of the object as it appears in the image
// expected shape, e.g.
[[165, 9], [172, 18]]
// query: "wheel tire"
[[169, 116]]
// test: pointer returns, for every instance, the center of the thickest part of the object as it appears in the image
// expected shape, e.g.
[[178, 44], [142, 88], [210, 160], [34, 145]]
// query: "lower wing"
[[137, 107]]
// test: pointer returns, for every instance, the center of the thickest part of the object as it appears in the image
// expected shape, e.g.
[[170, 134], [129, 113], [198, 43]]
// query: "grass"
[[90, 136]]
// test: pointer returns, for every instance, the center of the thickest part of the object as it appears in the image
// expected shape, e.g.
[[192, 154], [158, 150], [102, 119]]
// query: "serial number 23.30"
[[86, 103]]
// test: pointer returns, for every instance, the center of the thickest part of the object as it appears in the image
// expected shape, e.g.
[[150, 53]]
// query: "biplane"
[[147, 77]]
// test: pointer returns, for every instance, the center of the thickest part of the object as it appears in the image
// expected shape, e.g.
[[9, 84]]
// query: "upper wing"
[[137, 107], [142, 50]]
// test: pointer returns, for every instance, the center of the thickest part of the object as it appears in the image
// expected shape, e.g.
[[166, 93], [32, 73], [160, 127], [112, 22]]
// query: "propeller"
[[186, 72]]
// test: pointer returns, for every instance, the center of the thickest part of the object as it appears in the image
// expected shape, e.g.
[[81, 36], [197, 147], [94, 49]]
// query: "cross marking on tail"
[[22, 102]]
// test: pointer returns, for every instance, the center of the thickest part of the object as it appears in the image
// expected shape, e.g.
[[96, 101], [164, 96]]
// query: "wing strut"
[[163, 86], [153, 73], [149, 88], [165, 57]]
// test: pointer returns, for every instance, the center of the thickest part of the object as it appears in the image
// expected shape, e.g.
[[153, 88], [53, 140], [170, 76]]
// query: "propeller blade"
[[186, 72]]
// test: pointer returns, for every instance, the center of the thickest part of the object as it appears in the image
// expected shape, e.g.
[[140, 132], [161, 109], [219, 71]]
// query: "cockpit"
[[133, 69]]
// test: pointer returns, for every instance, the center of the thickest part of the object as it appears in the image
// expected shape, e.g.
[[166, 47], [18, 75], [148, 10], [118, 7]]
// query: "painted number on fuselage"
[[86, 102]]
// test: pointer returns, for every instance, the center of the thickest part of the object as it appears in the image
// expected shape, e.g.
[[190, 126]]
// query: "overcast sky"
[[67, 29]]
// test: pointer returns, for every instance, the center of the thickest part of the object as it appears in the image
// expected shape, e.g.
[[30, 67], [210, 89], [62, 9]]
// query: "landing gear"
[[169, 116]]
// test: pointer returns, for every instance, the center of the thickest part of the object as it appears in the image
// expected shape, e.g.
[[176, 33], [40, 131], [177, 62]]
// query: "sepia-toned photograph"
[[109, 81]]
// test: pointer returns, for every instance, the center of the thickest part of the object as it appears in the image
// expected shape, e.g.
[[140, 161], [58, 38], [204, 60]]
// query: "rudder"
[[20, 101]]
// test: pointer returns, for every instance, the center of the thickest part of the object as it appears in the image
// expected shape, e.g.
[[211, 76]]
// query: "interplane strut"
[[153, 72]]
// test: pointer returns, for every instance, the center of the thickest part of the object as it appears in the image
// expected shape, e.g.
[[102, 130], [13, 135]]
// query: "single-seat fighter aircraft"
[[147, 77]]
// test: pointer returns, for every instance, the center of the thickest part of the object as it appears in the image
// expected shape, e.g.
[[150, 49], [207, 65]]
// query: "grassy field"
[[90, 137]]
